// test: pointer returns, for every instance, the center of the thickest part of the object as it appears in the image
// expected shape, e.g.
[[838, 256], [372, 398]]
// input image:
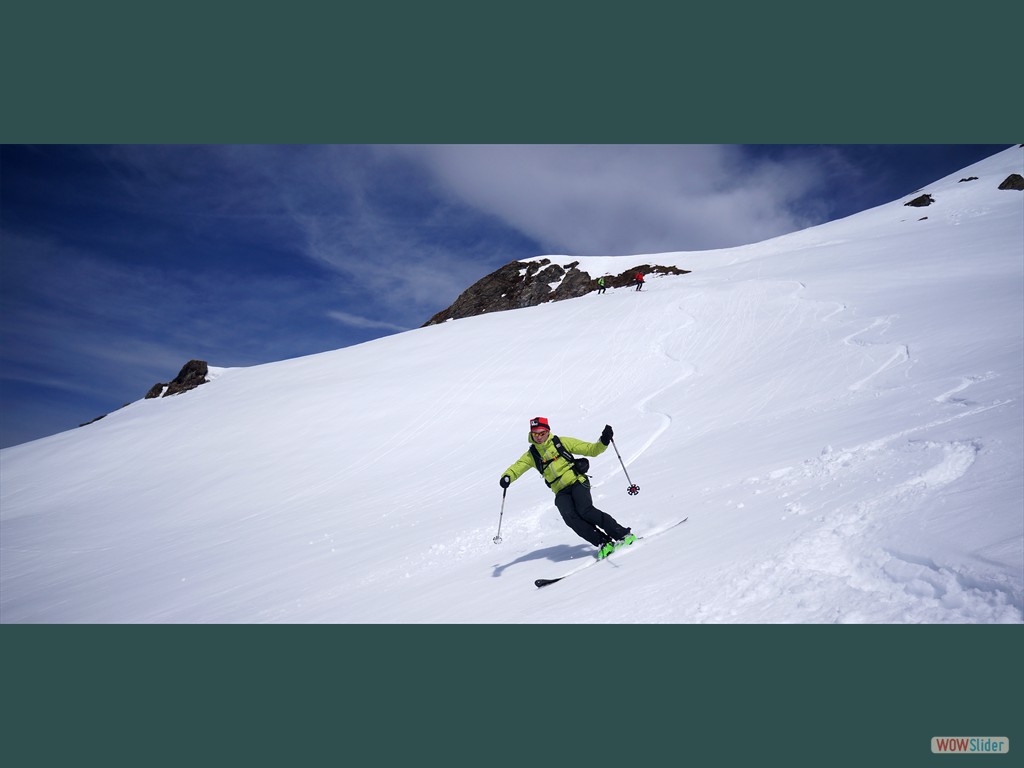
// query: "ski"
[[546, 582]]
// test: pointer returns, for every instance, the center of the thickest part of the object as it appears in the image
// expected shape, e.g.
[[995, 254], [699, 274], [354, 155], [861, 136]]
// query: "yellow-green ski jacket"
[[558, 473]]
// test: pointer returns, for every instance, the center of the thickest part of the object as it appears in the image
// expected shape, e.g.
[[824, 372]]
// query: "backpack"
[[579, 466]]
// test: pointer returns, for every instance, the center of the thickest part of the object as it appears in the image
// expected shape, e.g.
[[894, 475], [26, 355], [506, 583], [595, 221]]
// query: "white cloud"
[[589, 200], [355, 321]]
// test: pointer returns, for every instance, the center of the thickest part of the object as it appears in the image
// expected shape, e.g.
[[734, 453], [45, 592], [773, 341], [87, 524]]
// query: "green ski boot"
[[606, 549]]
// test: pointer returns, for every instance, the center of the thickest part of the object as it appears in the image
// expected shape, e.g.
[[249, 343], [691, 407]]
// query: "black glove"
[[606, 436], [506, 481]]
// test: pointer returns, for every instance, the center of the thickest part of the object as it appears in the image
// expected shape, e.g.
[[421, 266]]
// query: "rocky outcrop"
[[625, 278], [1013, 181], [191, 376], [922, 201], [521, 284]]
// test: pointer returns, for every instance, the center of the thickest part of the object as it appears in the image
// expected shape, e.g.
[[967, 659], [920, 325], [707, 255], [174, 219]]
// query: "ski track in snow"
[[824, 567], [966, 381], [899, 354], [644, 406], [827, 561]]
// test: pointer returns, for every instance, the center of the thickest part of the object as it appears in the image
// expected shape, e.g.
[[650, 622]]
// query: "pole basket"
[[497, 537], [633, 490]]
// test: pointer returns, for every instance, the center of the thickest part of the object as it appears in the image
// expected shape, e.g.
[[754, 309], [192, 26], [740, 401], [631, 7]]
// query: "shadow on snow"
[[559, 554]]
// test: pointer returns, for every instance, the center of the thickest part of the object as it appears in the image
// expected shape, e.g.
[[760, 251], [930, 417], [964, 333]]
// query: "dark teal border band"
[[512, 695], [457, 72]]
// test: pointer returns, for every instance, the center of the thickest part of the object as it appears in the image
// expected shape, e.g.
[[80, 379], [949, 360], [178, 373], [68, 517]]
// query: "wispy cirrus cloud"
[[355, 321]]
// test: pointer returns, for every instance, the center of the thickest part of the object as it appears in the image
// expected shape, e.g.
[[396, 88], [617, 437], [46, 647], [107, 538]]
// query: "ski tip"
[[545, 582]]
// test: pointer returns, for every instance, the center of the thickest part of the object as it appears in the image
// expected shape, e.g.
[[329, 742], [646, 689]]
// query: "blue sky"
[[120, 263]]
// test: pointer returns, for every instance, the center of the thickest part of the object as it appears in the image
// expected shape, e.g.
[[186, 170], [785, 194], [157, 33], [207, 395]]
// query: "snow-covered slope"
[[838, 412]]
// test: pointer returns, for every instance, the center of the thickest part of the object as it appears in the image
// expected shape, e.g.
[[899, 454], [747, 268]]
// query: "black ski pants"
[[578, 511]]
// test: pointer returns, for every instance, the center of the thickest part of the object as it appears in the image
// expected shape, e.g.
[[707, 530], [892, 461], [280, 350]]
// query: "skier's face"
[[539, 435]]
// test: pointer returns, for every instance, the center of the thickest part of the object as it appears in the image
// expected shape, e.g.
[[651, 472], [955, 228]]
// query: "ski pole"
[[633, 489], [497, 538]]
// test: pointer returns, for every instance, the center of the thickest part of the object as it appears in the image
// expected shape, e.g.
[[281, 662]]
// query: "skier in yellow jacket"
[[568, 481]]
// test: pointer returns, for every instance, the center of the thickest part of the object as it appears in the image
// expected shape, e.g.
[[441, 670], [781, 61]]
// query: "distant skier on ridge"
[[567, 479]]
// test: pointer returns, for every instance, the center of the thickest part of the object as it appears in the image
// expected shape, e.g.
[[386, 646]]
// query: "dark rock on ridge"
[[191, 376], [922, 201], [1013, 181], [521, 284]]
